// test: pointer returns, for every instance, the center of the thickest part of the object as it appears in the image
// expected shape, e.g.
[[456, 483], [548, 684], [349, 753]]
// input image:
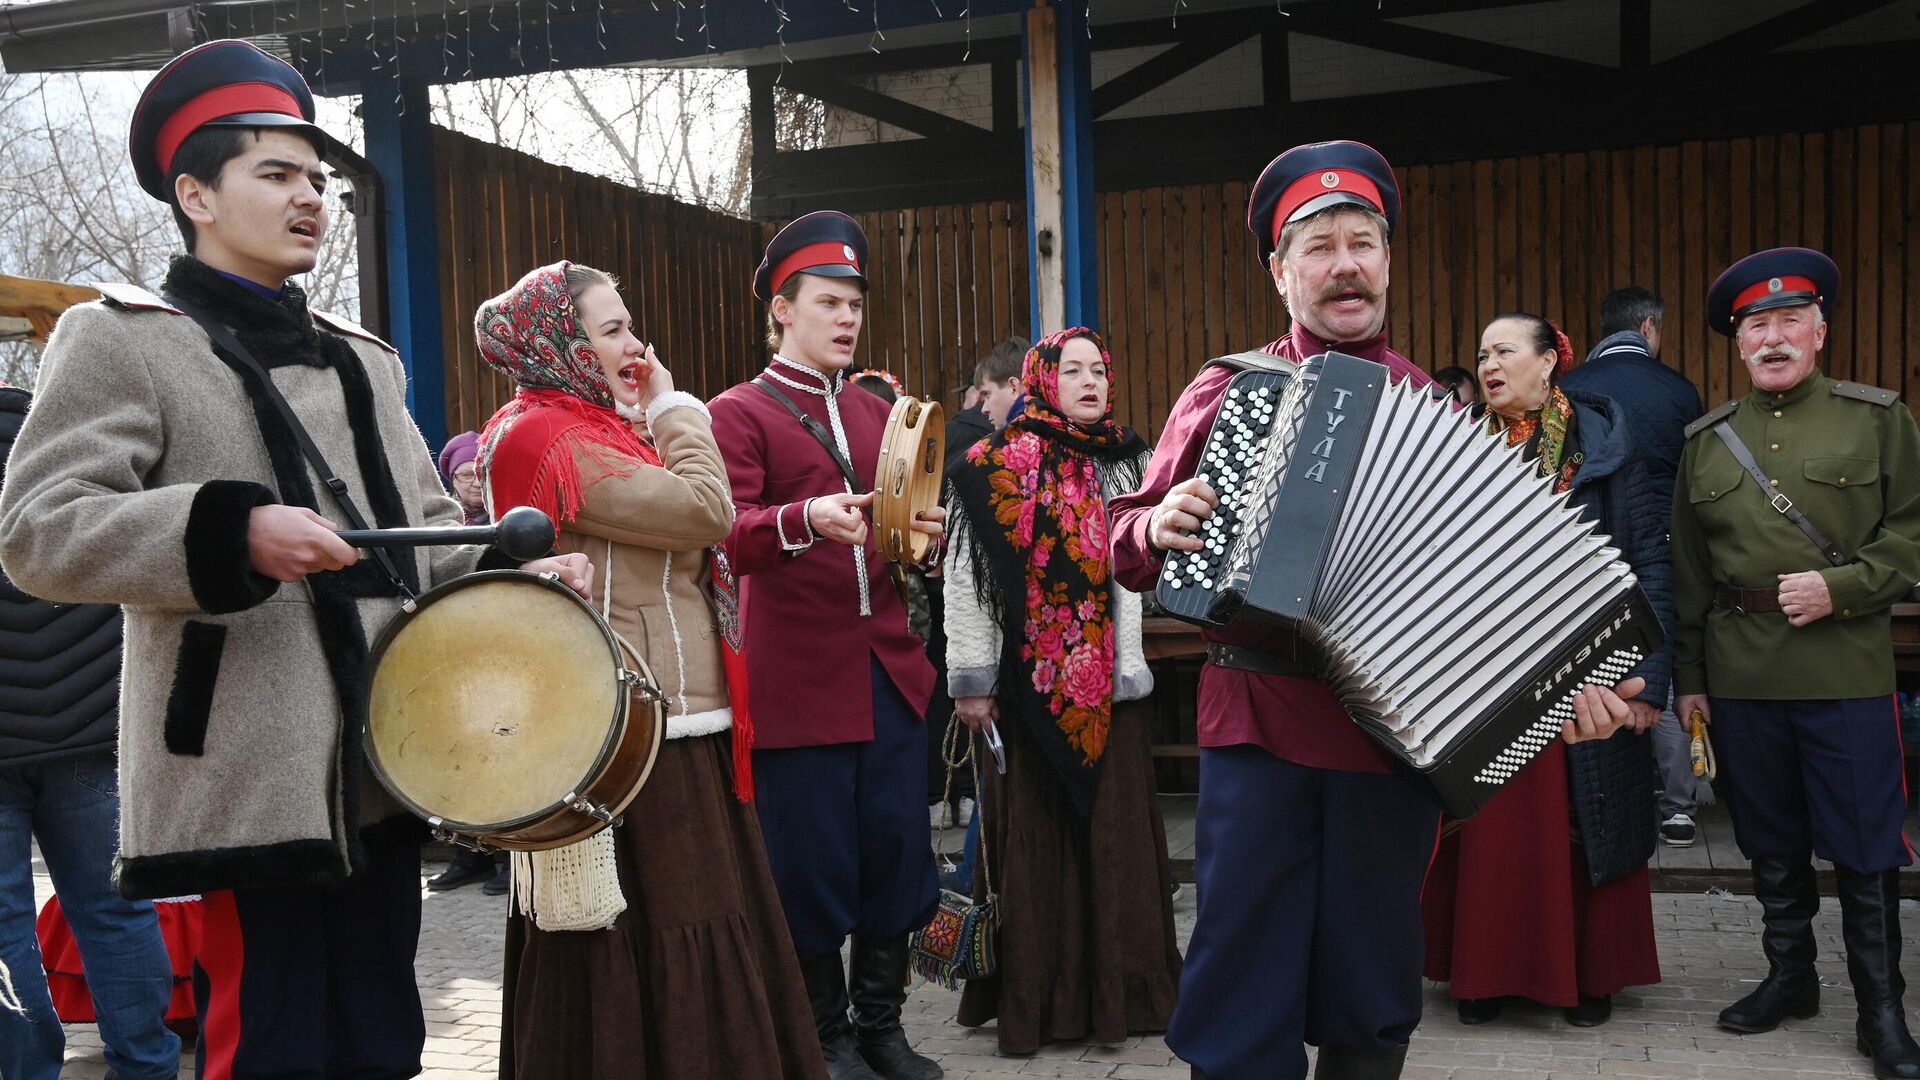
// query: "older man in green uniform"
[[1796, 525]]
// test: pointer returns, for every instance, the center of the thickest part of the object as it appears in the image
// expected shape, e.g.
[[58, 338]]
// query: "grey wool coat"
[[132, 483]]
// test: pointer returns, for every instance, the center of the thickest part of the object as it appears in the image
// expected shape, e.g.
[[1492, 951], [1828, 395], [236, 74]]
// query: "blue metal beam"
[[400, 145], [500, 48]]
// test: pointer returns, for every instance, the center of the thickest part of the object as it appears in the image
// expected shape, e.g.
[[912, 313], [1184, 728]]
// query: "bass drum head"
[[493, 700]]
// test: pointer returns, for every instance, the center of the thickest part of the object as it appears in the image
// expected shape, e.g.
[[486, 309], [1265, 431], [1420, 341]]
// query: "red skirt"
[[1509, 910], [67, 981]]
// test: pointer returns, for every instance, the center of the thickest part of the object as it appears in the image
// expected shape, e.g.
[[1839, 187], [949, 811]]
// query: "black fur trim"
[[492, 558], [218, 570], [195, 674], [403, 830], [182, 873]]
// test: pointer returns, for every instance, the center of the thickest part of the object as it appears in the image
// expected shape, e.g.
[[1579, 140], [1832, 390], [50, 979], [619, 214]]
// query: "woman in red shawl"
[[1043, 645], [683, 965], [1543, 895]]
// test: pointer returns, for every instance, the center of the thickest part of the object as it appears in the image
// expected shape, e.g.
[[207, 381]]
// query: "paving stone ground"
[[1709, 954]]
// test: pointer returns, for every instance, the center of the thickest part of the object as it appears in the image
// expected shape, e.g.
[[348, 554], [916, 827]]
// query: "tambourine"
[[911, 456]]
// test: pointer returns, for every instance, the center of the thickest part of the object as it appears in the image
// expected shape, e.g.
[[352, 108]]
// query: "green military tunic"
[[1849, 458]]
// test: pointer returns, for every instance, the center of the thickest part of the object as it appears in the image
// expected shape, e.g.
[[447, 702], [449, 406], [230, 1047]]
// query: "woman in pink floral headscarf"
[[1045, 647]]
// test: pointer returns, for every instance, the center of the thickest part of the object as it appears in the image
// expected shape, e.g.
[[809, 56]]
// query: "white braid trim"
[[710, 722], [675, 399]]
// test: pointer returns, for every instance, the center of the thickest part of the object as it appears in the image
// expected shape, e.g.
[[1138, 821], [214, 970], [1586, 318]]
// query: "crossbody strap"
[[225, 338], [1777, 499], [814, 428]]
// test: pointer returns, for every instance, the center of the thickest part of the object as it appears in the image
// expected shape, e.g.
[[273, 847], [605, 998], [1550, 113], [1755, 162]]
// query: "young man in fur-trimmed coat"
[[154, 472]]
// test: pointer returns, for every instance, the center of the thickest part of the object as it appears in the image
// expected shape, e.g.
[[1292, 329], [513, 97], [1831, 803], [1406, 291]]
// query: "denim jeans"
[[72, 805]]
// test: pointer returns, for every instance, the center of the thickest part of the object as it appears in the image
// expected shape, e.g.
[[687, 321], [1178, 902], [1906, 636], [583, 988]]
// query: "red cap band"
[[1759, 291], [230, 100], [1325, 182], [825, 253]]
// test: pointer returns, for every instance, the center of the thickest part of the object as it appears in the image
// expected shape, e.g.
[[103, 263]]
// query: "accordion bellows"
[[1453, 602]]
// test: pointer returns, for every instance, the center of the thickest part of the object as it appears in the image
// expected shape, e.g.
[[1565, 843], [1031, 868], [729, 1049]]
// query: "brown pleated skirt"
[[1087, 948], [696, 979]]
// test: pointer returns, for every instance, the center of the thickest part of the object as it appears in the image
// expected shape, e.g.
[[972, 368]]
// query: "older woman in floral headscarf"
[[696, 976], [1042, 645]]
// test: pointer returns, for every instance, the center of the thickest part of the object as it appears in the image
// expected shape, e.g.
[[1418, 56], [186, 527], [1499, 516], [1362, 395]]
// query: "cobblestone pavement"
[[1709, 953]]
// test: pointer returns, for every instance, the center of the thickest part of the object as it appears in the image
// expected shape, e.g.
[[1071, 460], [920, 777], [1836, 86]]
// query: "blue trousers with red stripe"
[[1309, 924], [305, 983], [1825, 776]]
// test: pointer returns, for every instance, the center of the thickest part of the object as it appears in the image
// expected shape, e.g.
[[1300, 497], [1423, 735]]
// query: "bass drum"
[[502, 712]]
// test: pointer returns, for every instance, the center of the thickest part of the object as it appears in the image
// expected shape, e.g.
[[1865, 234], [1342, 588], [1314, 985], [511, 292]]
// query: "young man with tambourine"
[[839, 685]]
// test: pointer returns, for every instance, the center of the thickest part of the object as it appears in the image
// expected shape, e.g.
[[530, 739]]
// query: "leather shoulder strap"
[[1254, 360], [1777, 499], [341, 325], [814, 428], [1872, 395], [1724, 410]]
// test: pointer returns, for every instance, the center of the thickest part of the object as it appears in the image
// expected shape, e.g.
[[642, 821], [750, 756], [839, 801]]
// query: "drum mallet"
[[522, 534]]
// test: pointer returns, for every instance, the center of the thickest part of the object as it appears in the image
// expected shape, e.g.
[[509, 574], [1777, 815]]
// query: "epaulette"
[[1715, 416], [134, 298], [350, 328], [1872, 395], [1254, 360]]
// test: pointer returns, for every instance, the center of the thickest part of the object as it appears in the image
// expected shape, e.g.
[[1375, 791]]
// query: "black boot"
[[1870, 923], [1349, 1063], [1788, 896], [466, 867], [879, 986], [827, 993]]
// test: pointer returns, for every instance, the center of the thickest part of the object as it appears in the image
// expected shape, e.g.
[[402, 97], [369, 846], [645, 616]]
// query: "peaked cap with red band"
[[223, 83], [1775, 278], [825, 242], [1308, 179]]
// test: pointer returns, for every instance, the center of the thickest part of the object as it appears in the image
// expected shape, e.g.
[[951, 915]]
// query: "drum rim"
[[615, 730], [901, 434]]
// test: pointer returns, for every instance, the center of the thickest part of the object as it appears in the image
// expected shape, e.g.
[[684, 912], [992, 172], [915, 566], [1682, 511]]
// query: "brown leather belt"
[[1241, 658], [1746, 601]]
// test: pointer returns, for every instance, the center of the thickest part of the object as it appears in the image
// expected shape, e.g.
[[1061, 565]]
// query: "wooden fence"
[[685, 272], [1178, 279], [1551, 233]]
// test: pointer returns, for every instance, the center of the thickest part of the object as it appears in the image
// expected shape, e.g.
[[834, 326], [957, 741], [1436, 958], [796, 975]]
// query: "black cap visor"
[[1328, 201], [832, 270], [1776, 300]]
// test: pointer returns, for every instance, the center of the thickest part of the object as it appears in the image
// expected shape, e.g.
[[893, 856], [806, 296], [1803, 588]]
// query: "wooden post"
[[1046, 178]]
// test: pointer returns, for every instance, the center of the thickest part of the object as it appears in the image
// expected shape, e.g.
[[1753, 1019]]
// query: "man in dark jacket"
[[1659, 403], [59, 719]]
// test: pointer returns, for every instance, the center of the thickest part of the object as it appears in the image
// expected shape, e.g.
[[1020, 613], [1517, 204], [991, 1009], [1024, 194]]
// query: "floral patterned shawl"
[[1035, 522]]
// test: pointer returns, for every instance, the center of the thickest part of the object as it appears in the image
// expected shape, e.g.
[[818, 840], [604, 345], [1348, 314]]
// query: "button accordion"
[[1452, 601]]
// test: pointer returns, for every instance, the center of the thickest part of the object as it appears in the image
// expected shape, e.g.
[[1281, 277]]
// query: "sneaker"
[[963, 817], [939, 816], [1677, 831]]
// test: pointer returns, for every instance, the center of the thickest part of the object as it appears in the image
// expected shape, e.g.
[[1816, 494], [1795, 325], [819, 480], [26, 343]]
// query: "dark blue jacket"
[[59, 665], [1612, 780], [1659, 403]]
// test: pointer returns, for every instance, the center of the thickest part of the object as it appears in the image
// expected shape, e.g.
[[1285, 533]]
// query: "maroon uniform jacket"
[[808, 677], [1295, 719]]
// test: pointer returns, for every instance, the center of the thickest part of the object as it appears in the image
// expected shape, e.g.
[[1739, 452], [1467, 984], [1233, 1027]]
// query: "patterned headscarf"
[[1036, 528], [1543, 432], [564, 407]]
